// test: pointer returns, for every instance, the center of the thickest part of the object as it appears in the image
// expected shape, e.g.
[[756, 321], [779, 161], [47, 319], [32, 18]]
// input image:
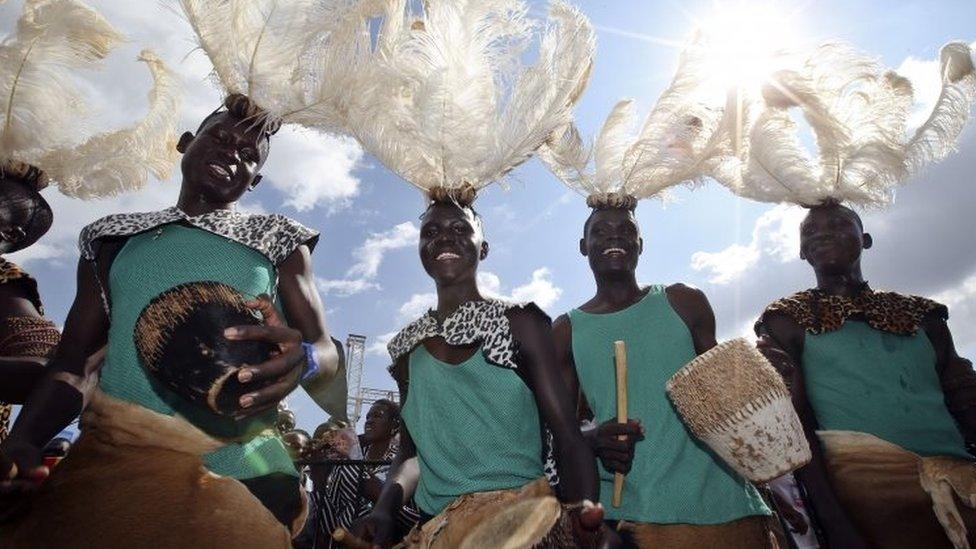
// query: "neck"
[[194, 204], [378, 448], [617, 289], [847, 284], [451, 296]]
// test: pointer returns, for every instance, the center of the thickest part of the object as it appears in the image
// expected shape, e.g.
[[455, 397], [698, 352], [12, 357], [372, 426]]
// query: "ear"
[[254, 183], [640, 245], [582, 246], [484, 251], [184, 142], [868, 241]]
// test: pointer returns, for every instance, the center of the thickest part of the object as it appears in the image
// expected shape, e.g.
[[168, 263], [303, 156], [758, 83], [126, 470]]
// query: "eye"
[[249, 154]]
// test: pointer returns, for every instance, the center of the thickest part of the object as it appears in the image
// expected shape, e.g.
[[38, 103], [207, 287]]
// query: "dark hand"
[[377, 527], [21, 472], [779, 358], [285, 368], [616, 455]]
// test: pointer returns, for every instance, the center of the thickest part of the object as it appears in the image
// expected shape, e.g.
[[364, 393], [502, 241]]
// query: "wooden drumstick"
[[344, 538], [620, 361]]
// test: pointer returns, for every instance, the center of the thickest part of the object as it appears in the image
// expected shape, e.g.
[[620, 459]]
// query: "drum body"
[[180, 342], [734, 401]]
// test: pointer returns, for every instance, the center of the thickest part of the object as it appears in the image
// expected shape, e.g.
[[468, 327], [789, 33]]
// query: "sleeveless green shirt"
[[475, 426], [861, 379], [674, 478], [153, 262]]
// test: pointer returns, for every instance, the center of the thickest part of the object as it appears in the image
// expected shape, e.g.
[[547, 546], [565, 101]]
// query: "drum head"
[[519, 526]]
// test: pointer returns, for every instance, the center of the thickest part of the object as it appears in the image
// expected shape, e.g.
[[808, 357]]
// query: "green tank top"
[[475, 426], [151, 263], [861, 379], [674, 478]]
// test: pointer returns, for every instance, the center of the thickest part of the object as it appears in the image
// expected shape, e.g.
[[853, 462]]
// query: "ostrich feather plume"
[[858, 112], [299, 61], [451, 107], [44, 108], [679, 142]]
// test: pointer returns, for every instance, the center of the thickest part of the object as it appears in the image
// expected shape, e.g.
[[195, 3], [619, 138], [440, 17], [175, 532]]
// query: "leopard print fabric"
[[818, 312], [274, 236], [11, 273], [484, 322]]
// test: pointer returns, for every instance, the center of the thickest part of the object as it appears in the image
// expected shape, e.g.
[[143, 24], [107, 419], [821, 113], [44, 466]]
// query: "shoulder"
[[528, 314], [277, 236], [798, 307], [118, 225], [903, 313], [686, 294]]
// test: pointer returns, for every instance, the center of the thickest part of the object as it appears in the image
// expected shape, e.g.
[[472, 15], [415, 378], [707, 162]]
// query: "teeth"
[[447, 255], [609, 251]]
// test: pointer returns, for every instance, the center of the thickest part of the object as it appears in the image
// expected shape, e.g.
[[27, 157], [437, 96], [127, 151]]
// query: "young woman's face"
[[452, 243]]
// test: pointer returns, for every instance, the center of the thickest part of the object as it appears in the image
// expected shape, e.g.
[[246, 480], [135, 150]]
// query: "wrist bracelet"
[[311, 365]]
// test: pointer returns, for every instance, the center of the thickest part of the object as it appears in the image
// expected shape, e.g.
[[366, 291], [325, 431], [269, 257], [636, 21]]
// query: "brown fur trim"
[[818, 312], [30, 175], [463, 196], [612, 201]]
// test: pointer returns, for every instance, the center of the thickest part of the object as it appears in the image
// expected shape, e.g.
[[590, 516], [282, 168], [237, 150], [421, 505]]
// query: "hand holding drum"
[[196, 341]]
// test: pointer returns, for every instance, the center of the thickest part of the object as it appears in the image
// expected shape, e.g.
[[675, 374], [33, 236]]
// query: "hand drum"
[[179, 337]]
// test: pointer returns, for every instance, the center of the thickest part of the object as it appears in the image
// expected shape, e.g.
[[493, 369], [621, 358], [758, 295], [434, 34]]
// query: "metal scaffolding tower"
[[355, 358]]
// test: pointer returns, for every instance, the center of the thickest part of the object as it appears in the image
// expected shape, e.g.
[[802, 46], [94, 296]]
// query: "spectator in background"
[[342, 493]]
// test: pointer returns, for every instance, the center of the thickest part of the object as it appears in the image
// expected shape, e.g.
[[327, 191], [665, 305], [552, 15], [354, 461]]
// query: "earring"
[[257, 179]]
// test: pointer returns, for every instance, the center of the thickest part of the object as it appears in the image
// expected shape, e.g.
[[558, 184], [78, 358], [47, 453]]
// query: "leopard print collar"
[[10, 272], [274, 236], [483, 322], [818, 312]]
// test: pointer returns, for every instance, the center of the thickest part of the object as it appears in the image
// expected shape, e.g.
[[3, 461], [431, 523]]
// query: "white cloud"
[[361, 276], [313, 169], [961, 301], [378, 346], [775, 235], [417, 305]]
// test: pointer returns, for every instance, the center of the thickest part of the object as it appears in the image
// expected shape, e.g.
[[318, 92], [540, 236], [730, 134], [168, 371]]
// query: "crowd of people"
[[511, 429]]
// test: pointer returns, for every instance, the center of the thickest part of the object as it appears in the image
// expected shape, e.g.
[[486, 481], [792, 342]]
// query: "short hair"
[[589, 218], [463, 207], [837, 205]]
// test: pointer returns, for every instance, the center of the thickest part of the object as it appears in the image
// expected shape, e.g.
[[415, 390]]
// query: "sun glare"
[[746, 42]]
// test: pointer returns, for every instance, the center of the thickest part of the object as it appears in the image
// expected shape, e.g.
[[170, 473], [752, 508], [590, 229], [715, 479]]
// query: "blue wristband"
[[311, 365]]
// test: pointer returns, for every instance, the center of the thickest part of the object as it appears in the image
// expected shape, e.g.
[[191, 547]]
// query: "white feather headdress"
[[681, 141], [451, 108], [43, 107], [296, 61], [858, 111]]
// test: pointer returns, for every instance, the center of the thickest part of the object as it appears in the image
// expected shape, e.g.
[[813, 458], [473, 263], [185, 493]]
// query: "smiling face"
[[832, 239], [611, 241], [452, 243], [221, 162]]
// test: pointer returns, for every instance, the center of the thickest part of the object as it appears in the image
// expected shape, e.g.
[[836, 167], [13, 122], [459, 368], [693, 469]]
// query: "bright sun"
[[746, 42]]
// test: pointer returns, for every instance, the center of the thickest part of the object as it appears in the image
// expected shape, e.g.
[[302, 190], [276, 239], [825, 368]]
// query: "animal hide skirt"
[[135, 478]]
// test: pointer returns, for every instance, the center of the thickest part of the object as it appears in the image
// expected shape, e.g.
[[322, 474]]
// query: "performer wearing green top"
[[676, 491], [877, 377], [128, 259]]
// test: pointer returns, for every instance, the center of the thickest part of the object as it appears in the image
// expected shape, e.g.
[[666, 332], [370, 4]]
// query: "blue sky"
[[742, 254]]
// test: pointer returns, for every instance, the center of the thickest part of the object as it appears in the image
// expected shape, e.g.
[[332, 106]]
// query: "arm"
[[783, 346], [61, 394], [956, 376], [304, 311], [616, 455], [545, 376], [401, 483], [20, 376]]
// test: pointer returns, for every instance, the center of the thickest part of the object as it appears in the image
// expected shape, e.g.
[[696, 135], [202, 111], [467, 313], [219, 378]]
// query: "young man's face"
[[452, 243], [832, 239], [225, 156], [611, 241]]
